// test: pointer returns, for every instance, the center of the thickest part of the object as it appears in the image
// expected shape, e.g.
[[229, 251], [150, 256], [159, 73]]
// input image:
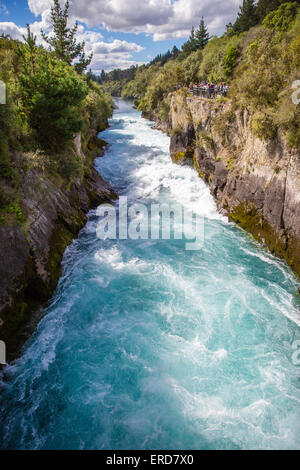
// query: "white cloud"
[[116, 46], [111, 62], [110, 55], [106, 55], [12, 29], [163, 19], [39, 6]]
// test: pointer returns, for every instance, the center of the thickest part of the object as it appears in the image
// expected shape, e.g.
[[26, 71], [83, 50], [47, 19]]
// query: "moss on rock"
[[248, 217]]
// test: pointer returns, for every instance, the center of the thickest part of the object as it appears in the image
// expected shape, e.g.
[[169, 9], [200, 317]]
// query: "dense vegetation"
[[114, 81], [259, 56], [49, 101]]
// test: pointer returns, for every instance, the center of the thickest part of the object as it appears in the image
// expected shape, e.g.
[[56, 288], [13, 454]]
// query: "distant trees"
[[175, 52], [63, 40], [116, 75], [162, 59], [247, 17]]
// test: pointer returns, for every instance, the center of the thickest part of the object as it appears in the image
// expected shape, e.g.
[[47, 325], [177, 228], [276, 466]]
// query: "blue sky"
[[123, 32]]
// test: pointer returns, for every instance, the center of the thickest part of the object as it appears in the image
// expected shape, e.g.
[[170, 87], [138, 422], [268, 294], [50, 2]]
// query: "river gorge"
[[147, 345]]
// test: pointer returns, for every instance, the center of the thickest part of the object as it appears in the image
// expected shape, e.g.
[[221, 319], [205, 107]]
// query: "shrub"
[[229, 61], [219, 59], [164, 110], [263, 126], [98, 107], [281, 19], [50, 96], [70, 166]]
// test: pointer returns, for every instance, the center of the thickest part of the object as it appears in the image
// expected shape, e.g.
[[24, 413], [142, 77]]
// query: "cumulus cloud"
[[109, 55], [39, 6], [163, 19], [7, 27], [116, 46], [109, 62], [106, 55]]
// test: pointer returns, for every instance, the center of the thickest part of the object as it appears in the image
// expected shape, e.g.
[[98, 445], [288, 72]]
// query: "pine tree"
[[189, 46], [30, 40], [63, 41], [229, 28], [5, 36], [175, 52], [192, 35], [89, 75], [192, 40], [201, 35], [247, 17]]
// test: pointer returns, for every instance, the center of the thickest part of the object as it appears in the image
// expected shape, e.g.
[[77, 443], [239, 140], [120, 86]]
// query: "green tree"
[[281, 19], [229, 61], [103, 76], [201, 35], [229, 28], [30, 40], [192, 35], [63, 41], [51, 97], [266, 6], [190, 46], [175, 52], [247, 17]]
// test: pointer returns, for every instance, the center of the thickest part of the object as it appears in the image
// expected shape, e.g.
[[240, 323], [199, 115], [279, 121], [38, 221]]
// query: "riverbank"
[[31, 249], [255, 181]]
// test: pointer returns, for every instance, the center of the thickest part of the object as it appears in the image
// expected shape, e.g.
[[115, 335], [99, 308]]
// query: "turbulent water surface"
[[149, 346]]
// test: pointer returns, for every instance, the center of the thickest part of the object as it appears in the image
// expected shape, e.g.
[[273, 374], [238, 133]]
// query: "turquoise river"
[[146, 345]]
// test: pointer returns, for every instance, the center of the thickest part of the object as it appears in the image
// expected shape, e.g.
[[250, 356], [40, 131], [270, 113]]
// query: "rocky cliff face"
[[31, 253], [255, 182]]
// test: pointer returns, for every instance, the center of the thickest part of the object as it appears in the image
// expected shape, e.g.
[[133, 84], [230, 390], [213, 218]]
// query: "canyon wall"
[[255, 182], [31, 252]]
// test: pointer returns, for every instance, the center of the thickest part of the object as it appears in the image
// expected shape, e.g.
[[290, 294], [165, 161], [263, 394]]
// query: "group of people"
[[209, 90]]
